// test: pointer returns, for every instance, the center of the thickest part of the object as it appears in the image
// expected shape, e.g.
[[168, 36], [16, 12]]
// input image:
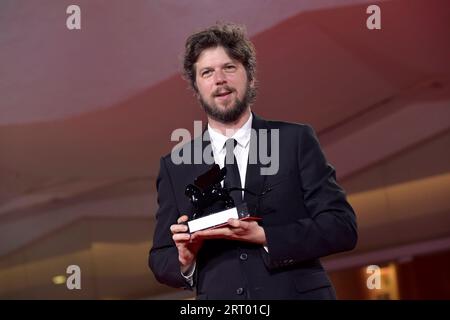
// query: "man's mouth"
[[223, 94]]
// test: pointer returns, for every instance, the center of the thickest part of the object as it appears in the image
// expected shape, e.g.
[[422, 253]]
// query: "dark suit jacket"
[[305, 216]]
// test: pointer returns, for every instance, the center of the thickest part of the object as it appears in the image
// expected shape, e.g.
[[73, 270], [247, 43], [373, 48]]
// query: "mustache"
[[221, 90]]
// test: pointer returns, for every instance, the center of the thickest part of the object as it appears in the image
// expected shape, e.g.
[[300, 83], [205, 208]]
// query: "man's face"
[[222, 84]]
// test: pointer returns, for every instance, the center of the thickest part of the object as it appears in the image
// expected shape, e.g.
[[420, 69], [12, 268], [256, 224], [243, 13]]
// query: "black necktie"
[[232, 178]]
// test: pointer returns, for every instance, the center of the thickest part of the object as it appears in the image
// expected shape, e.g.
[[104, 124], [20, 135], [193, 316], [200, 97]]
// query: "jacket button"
[[240, 291], [243, 256]]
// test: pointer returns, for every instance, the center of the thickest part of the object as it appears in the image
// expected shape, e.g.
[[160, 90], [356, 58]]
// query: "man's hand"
[[248, 231], [186, 245]]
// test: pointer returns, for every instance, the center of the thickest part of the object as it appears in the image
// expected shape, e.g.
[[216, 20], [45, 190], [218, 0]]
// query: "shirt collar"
[[242, 135]]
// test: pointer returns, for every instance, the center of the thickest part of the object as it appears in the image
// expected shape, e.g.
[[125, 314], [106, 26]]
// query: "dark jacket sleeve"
[[163, 258], [331, 225]]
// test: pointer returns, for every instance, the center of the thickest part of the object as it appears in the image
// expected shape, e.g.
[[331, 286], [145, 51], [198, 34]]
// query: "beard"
[[232, 113]]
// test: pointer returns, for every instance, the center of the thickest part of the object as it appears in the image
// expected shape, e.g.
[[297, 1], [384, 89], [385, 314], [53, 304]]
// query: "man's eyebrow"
[[227, 63], [211, 68]]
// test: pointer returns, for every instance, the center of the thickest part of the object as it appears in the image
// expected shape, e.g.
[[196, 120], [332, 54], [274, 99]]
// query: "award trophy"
[[205, 192]]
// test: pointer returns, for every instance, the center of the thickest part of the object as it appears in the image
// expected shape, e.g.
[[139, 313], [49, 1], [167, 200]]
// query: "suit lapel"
[[201, 147], [254, 180]]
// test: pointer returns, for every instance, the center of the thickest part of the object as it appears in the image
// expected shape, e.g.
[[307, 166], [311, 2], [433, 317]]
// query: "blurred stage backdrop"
[[86, 114]]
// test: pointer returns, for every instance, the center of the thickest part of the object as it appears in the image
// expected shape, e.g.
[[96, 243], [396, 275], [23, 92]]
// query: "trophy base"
[[220, 219]]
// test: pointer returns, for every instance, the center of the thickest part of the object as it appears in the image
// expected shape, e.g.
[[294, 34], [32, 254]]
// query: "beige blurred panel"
[[32, 276], [52, 254], [114, 270], [122, 271], [423, 197], [402, 201], [367, 196], [402, 213], [404, 198], [125, 199], [426, 159], [13, 276], [34, 280], [370, 206]]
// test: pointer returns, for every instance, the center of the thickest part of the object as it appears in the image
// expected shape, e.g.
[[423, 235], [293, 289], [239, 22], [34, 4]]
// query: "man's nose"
[[220, 77]]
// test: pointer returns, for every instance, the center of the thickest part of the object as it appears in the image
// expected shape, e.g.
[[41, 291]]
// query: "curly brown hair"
[[231, 37]]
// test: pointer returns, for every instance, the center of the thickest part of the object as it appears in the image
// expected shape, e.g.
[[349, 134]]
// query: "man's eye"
[[230, 68], [206, 73]]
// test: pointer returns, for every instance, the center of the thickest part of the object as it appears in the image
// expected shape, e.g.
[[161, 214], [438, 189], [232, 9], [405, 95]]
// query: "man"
[[305, 214]]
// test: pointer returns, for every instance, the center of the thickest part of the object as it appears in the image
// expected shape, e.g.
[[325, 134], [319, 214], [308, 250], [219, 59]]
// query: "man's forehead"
[[212, 56]]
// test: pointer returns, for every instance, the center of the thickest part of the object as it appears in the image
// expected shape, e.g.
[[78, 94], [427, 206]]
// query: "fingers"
[[235, 223], [176, 228], [181, 237], [182, 219], [179, 231], [212, 234]]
